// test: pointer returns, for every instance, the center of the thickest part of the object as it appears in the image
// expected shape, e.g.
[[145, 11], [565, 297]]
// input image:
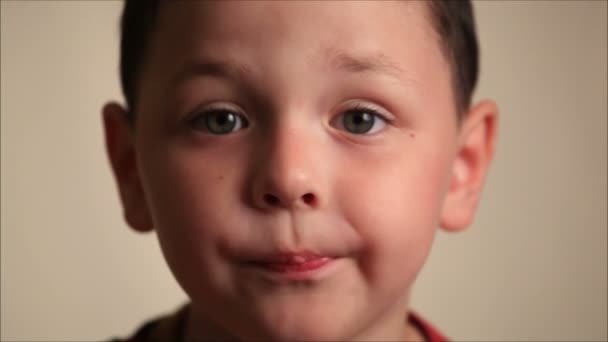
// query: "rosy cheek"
[[393, 205], [185, 202]]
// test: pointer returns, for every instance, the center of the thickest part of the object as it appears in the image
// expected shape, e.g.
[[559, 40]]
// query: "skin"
[[294, 178]]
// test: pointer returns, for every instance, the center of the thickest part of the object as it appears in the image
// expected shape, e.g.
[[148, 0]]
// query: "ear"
[[120, 147], [477, 139]]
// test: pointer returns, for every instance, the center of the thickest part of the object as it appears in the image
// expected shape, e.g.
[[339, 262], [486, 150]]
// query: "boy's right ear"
[[120, 146]]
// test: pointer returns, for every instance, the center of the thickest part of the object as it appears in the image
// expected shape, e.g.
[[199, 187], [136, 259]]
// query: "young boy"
[[295, 159]]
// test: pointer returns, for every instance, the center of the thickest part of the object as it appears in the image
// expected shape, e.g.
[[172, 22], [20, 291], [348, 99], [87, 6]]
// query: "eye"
[[361, 120], [218, 121]]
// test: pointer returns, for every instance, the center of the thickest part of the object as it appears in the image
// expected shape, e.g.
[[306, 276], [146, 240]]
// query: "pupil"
[[358, 122], [221, 122], [222, 119]]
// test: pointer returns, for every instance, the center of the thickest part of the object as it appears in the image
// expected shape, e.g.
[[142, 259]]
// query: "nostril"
[[271, 199], [309, 199]]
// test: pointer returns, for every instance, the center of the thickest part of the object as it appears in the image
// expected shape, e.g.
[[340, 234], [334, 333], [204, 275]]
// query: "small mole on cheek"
[[412, 135], [220, 178]]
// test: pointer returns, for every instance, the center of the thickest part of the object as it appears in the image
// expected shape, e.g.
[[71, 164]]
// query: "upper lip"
[[290, 257]]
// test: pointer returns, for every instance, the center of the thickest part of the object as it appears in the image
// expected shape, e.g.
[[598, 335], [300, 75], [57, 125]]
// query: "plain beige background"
[[532, 267]]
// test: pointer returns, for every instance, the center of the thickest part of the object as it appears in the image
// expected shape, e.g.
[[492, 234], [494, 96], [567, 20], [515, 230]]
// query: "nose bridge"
[[287, 174], [290, 147]]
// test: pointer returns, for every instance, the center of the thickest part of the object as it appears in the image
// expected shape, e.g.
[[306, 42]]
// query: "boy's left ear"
[[476, 146]]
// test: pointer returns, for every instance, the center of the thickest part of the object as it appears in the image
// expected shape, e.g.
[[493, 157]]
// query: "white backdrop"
[[533, 266]]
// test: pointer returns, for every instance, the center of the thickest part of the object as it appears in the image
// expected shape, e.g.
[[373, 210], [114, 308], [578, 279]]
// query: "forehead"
[[235, 14], [395, 39], [329, 28]]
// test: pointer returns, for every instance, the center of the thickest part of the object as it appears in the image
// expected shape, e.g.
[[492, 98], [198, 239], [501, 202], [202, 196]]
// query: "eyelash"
[[201, 114], [358, 107]]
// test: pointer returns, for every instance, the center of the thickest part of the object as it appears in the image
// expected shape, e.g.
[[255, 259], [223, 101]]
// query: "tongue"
[[298, 259]]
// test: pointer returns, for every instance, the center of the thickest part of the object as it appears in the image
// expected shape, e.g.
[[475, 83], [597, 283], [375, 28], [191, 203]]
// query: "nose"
[[287, 174]]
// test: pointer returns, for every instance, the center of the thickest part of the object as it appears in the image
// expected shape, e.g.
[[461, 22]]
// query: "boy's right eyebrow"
[[220, 69]]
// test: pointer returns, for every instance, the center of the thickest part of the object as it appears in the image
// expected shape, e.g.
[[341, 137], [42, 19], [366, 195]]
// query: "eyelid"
[[380, 113], [366, 105], [207, 107]]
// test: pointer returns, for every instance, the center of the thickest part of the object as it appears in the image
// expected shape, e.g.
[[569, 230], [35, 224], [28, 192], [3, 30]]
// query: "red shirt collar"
[[428, 331]]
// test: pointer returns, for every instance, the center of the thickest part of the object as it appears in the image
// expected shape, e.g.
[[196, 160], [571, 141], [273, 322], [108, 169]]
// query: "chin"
[[305, 333], [303, 323]]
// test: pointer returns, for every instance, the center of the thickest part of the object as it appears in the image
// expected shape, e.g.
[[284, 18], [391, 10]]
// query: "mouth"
[[303, 265]]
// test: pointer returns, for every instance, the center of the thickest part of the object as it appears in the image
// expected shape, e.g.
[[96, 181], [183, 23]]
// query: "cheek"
[[183, 188], [395, 211], [189, 198]]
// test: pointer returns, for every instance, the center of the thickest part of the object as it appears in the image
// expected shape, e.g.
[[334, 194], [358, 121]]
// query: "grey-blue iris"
[[221, 122], [358, 122]]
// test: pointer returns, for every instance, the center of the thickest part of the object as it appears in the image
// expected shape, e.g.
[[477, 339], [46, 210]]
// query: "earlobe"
[[471, 163], [121, 152]]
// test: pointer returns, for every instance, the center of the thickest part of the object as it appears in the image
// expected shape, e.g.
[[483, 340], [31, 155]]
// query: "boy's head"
[[295, 158]]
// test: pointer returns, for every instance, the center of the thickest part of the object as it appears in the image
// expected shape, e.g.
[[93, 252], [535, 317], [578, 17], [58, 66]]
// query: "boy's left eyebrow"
[[373, 64]]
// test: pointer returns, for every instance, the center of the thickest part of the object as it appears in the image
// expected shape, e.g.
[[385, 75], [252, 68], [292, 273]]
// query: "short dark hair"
[[453, 20], [136, 25]]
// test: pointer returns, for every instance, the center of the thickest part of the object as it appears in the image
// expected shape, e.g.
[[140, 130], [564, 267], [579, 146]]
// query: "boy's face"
[[340, 139]]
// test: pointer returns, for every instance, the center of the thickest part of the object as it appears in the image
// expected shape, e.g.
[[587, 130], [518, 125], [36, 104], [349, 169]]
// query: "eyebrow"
[[371, 64], [377, 64], [221, 69]]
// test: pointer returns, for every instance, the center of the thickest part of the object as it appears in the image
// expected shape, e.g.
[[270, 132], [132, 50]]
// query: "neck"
[[200, 328], [412, 334], [393, 325]]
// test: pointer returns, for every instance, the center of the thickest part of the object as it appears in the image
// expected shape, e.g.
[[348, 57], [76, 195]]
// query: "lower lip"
[[309, 270]]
